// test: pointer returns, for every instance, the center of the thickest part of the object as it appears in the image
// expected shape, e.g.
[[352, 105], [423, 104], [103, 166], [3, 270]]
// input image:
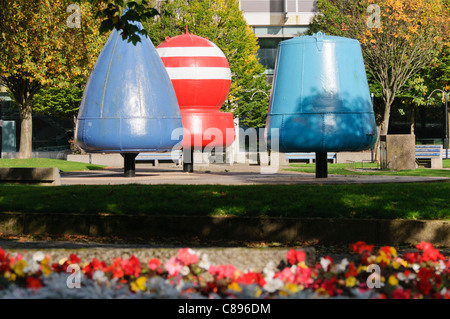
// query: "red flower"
[[361, 248], [4, 262], [131, 267], [295, 256], [252, 278], [154, 263], [424, 287], [411, 257], [94, 265], [429, 252], [33, 283], [399, 293], [352, 270], [74, 259], [115, 268], [329, 285]]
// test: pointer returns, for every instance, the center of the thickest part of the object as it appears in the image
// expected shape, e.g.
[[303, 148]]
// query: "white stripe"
[[190, 51], [199, 73]]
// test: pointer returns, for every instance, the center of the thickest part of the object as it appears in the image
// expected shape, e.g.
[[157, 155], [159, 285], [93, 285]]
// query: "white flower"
[[99, 276], [343, 265], [204, 262], [401, 276], [38, 256], [440, 267], [416, 267], [273, 285], [269, 270], [32, 266], [324, 262], [185, 271]]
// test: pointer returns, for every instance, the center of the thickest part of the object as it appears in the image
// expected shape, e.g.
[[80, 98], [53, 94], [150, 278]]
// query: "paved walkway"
[[236, 174]]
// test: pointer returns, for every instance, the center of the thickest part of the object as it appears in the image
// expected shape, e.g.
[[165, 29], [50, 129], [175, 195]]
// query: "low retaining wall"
[[380, 232], [30, 175]]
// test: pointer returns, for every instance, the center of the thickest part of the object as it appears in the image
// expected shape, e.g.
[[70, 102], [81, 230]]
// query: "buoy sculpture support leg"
[[321, 165], [188, 159], [129, 164]]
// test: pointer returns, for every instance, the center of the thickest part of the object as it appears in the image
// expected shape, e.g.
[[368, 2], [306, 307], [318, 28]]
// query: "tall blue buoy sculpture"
[[320, 99], [129, 104]]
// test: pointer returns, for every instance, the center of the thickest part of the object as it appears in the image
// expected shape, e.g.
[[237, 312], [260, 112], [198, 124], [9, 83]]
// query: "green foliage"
[[62, 102], [121, 15], [222, 23]]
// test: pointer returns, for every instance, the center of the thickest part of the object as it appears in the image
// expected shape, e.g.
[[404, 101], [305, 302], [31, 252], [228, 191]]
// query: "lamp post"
[[445, 95]]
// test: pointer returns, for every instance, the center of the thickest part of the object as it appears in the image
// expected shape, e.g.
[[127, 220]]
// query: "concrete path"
[[237, 174]]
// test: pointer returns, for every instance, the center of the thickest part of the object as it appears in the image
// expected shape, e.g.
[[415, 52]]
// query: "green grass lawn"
[[387, 201], [371, 169], [63, 165]]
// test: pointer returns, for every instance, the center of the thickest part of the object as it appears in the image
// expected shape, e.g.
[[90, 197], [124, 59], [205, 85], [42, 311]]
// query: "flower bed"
[[380, 274]]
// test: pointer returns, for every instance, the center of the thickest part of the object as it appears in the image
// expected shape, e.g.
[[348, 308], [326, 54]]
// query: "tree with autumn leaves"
[[39, 50], [399, 39]]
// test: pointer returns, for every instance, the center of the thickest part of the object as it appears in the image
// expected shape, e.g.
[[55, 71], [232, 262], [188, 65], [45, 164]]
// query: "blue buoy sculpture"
[[320, 99], [129, 104]]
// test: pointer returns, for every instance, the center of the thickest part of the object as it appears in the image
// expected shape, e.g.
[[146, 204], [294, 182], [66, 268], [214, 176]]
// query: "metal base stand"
[[321, 165], [188, 160], [129, 164]]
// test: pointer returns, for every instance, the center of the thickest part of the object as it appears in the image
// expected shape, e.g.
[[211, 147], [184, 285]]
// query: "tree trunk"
[[412, 120], [23, 90], [385, 123], [26, 132]]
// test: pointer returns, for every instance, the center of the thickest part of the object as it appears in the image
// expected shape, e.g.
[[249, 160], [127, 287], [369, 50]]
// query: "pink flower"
[[173, 266], [222, 271], [285, 275], [303, 276], [187, 256]]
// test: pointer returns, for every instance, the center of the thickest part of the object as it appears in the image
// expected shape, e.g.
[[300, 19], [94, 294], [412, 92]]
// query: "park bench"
[[30, 175], [429, 156], [309, 157], [156, 158]]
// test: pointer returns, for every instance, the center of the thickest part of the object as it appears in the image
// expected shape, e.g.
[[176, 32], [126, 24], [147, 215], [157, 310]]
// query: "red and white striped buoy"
[[199, 70], [201, 78]]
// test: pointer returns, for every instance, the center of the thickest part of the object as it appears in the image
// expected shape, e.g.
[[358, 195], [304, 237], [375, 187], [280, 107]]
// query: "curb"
[[374, 231]]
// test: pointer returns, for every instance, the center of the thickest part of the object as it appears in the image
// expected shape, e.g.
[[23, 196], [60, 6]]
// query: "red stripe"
[[211, 62]]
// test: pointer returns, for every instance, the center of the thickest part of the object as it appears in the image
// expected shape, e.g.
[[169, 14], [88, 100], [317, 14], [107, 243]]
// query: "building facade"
[[276, 20]]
